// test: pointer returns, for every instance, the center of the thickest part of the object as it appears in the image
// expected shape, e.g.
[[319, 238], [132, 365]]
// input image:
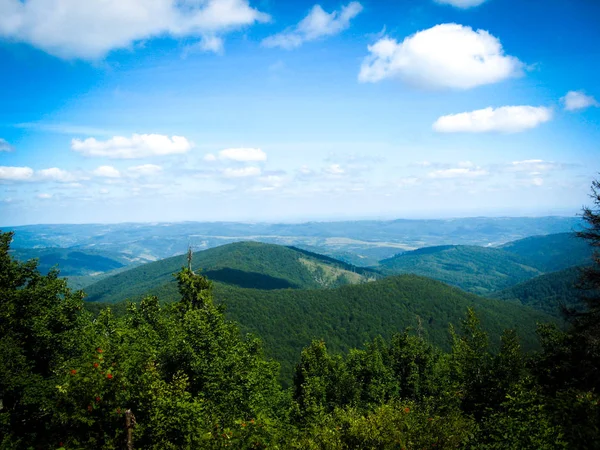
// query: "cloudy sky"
[[272, 110]]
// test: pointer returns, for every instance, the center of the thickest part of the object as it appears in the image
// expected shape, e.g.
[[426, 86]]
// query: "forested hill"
[[242, 264], [475, 269], [552, 252], [346, 317], [546, 292]]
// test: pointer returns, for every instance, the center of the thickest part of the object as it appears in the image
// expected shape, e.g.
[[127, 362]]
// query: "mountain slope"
[[71, 262], [546, 292], [242, 264], [475, 269], [346, 317], [552, 252]]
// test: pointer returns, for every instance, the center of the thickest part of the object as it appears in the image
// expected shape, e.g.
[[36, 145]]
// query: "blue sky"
[[293, 110]]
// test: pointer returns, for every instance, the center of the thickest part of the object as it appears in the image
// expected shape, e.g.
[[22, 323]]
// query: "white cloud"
[[15, 173], [445, 56], [460, 172], [575, 100], [244, 172], [44, 196], [317, 24], [56, 174], [145, 170], [406, 182], [335, 169], [242, 154], [210, 157], [138, 146], [211, 44], [5, 146], [270, 182], [537, 181], [534, 166], [463, 4], [104, 191], [107, 172], [91, 29], [506, 119]]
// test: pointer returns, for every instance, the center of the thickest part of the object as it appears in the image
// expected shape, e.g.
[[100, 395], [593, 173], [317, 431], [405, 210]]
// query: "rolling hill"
[[546, 292], [552, 252], [480, 270], [243, 264], [346, 317]]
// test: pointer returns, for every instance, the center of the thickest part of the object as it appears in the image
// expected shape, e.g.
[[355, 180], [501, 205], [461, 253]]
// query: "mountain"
[[346, 317], [474, 269], [363, 239], [242, 264], [71, 262], [546, 292], [80, 267], [552, 252]]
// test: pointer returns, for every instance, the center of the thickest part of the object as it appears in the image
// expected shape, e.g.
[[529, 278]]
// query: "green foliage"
[[547, 293], [193, 381], [553, 252], [289, 319], [480, 270]]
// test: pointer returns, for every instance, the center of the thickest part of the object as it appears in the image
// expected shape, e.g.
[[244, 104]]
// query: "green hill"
[[243, 264], [546, 292], [474, 269], [553, 252], [346, 317]]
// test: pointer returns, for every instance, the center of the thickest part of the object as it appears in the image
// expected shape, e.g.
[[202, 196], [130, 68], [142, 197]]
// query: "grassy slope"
[[475, 269], [243, 264]]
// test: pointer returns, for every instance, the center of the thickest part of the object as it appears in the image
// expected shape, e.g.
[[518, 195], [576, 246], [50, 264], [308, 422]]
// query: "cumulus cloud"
[[107, 172], [445, 56], [241, 154], [317, 24], [463, 4], [56, 174], [137, 146], [9, 173], [244, 172], [506, 119], [91, 29], [210, 157], [145, 170], [576, 100], [458, 172], [5, 146]]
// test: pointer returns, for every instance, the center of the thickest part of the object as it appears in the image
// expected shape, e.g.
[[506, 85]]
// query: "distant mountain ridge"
[[361, 242], [484, 270], [474, 269]]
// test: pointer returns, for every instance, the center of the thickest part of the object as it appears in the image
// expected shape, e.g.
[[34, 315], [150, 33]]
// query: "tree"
[[41, 329], [588, 320]]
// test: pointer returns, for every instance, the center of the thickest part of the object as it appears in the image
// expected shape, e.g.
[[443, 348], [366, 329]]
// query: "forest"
[[176, 372]]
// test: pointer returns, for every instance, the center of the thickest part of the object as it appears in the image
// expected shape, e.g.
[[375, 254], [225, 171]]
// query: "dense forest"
[[193, 381], [176, 373]]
